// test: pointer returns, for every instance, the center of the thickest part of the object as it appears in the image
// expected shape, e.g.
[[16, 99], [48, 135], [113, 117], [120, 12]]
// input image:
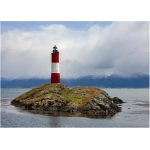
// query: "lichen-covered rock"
[[58, 98]]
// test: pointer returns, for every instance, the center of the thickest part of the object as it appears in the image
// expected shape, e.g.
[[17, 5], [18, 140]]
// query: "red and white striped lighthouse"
[[55, 74]]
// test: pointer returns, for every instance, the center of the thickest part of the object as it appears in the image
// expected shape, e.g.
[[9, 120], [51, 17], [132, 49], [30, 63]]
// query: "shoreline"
[[141, 104]]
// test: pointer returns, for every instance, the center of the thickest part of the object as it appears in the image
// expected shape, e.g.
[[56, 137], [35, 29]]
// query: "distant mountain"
[[137, 80], [138, 75], [112, 81], [31, 82]]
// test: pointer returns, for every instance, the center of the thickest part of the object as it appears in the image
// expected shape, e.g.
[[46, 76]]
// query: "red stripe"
[[55, 57], [55, 77]]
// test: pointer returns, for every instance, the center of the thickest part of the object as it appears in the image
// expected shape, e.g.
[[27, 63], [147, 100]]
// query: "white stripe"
[[55, 68]]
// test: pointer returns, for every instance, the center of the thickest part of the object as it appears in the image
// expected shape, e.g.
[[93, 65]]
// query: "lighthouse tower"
[[55, 74]]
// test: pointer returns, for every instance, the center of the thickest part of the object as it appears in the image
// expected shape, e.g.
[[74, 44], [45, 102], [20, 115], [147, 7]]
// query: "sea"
[[134, 114]]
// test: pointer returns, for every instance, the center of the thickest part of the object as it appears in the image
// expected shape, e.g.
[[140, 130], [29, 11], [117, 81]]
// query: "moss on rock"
[[53, 98]]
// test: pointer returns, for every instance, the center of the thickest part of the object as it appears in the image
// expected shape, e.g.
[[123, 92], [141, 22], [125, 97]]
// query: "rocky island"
[[59, 99]]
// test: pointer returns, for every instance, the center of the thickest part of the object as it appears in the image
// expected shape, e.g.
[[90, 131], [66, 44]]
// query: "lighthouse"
[[55, 74]]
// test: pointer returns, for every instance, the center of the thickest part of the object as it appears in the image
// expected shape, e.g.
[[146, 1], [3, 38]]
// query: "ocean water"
[[135, 112]]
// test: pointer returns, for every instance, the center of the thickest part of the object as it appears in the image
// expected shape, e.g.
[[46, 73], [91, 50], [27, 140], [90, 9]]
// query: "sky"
[[86, 48]]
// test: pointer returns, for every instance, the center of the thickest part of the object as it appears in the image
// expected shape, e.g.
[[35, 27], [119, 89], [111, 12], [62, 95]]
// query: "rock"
[[117, 100], [58, 98]]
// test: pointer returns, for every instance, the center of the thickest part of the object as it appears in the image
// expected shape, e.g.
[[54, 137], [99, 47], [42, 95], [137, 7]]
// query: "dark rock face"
[[101, 106], [117, 100], [58, 98]]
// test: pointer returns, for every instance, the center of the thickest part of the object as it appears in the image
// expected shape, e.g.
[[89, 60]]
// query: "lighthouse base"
[[55, 77]]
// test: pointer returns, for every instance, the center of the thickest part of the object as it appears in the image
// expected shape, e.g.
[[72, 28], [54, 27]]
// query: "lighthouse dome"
[[55, 50]]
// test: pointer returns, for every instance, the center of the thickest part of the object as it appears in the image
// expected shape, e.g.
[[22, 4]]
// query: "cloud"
[[120, 47]]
